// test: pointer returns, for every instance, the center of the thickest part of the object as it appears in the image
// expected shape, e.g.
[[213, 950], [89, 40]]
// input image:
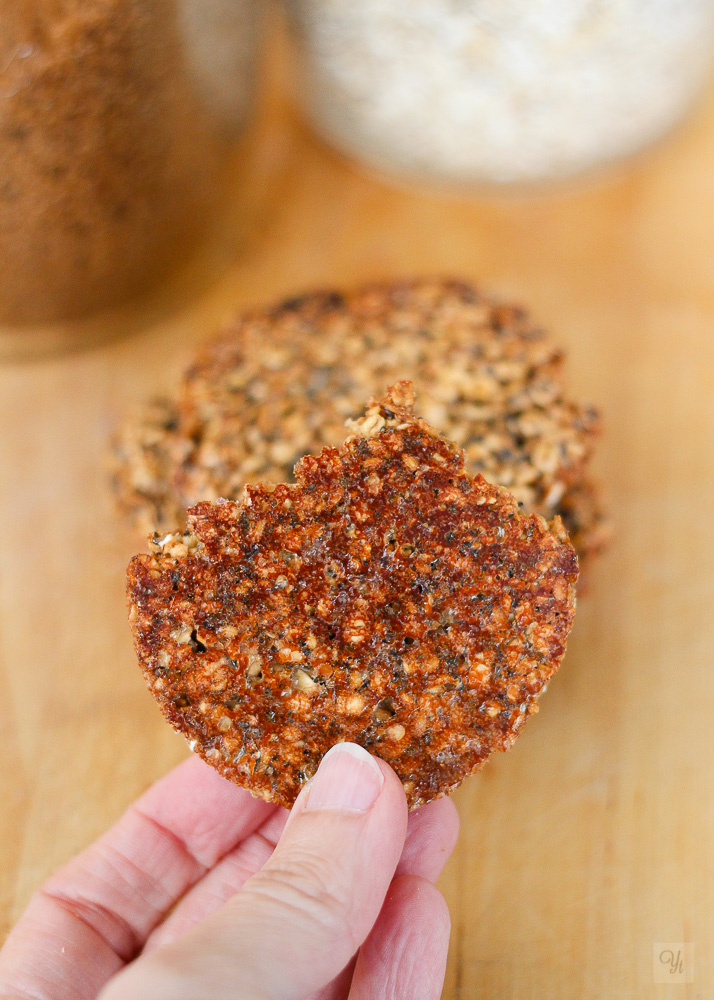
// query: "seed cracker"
[[280, 383], [386, 598]]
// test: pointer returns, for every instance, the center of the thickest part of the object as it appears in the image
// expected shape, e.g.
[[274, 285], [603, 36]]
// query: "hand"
[[201, 892]]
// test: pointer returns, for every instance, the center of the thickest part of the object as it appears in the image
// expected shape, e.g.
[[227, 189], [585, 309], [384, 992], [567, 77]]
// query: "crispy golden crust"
[[280, 383], [387, 598]]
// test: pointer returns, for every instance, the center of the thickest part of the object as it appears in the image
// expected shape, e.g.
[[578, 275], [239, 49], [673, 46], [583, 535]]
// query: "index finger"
[[95, 913]]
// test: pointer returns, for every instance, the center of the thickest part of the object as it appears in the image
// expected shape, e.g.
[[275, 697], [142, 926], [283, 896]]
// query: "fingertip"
[[390, 795], [430, 906], [443, 814], [274, 825], [202, 809], [195, 771], [432, 833], [191, 777]]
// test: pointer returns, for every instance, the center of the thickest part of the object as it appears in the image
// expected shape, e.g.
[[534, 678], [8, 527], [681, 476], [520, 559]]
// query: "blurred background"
[[164, 165]]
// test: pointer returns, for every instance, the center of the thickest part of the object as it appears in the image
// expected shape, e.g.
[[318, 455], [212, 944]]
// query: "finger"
[[431, 837], [94, 914], [225, 880], [432, 832], [299, 920], [405, 955]]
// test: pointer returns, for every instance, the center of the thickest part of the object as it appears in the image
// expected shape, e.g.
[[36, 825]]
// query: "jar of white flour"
[[498, 90]]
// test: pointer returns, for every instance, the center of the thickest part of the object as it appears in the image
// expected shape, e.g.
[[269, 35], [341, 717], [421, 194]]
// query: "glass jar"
[[500, 91], [117, 120]]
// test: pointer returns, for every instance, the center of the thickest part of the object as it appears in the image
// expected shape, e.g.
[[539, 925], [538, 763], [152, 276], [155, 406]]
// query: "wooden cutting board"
[[592, 842]]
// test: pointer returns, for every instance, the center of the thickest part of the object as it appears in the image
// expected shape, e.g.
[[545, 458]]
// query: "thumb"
[[297, 922]]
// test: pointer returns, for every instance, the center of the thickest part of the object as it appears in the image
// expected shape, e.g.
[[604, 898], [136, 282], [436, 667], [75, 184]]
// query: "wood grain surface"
[[593, 840]]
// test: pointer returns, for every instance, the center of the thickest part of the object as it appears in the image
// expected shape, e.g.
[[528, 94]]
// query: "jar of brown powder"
[[117, 120]]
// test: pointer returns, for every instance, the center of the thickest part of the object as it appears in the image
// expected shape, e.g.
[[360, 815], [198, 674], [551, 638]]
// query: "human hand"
[[201, 892]]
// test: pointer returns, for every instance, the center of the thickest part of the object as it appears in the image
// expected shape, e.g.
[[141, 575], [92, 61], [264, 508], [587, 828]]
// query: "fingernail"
[[348, 779]]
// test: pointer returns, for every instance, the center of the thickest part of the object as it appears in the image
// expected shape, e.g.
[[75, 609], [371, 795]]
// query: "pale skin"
[[201, 892]]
